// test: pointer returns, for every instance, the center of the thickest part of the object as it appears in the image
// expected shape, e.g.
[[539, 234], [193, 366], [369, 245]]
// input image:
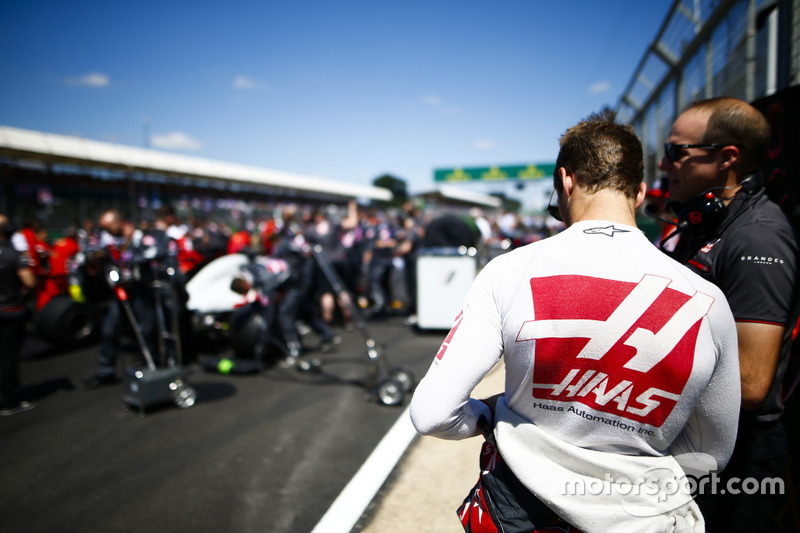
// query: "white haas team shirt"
[[609, 345]]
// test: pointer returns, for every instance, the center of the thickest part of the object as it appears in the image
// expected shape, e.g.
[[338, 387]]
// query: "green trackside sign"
[[518, 172]]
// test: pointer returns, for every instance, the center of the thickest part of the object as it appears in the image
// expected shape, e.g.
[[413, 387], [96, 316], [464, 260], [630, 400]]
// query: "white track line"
[[343, 514]]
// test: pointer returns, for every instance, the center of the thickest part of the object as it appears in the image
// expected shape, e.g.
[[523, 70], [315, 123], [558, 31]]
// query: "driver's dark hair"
[[603, 154]]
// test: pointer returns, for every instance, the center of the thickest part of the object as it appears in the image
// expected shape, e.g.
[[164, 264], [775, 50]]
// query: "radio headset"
[[704, 212]]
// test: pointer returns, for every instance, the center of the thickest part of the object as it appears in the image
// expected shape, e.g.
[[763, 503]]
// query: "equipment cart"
[[151, 385], [385, 383]]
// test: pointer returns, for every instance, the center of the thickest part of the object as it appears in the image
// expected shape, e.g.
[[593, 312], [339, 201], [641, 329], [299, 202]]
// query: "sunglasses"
[[671, 150], [552, 210]]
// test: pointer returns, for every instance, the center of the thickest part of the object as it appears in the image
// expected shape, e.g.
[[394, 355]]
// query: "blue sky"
[[348, 90]]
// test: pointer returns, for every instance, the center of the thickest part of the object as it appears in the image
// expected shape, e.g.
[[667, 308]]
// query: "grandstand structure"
[[61, 180], [748, 49]]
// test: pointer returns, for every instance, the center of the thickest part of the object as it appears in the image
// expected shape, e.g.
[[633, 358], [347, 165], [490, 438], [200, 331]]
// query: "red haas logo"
[[449, 338], [618, 347]]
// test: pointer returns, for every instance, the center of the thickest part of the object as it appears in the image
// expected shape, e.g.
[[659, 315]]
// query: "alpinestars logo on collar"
[[608, 230]]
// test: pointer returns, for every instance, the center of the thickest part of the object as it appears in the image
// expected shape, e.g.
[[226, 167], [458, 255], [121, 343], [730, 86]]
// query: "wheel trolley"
[[385, 383], [152, 385]]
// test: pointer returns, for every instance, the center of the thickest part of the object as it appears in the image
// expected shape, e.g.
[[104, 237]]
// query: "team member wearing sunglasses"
[[745, 245]]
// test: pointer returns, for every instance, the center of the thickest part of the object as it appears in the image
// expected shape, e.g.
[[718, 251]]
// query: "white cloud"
[[432, 100], [599, 87], [92, 79], [176, 140], [483, 144], [243, 82]]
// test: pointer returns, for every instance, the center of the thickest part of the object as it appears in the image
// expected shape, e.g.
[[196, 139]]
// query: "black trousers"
[[12, 335], [500, 502], [761, 453]]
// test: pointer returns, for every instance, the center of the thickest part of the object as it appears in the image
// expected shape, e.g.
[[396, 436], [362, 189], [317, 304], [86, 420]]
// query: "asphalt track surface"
[[269, 452], [281, 451]]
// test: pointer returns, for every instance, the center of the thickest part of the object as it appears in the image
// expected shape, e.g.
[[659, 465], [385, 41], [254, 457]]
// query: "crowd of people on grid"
[[372, 250], [369, 247]]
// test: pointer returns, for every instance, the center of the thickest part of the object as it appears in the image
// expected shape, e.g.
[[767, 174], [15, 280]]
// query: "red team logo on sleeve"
[[446, 342], [621, 348]]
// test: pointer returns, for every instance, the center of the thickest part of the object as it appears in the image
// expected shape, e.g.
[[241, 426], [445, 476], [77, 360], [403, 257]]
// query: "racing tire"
[[65, 322], [246, 326]]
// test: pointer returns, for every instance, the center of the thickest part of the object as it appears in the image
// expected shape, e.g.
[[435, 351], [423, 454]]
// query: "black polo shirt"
[[752, 257], [12, 303]]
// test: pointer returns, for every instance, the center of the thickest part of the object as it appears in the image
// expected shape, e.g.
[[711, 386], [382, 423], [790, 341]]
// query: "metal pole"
[[785, 16], [750, 53], [772, 54]]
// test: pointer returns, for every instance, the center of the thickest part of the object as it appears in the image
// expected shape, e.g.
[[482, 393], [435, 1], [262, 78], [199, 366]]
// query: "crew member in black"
[[730, 233], [16, 277], [381, 236], [115, 237]]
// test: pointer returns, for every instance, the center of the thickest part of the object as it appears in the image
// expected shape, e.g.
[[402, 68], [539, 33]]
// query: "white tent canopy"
[[54, 148], [461, 195]]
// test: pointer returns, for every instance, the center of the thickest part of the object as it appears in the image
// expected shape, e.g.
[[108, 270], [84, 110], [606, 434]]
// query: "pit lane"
[[266, 452]]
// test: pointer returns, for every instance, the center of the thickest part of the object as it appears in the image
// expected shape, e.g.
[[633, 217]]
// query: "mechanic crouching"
[[283, 284]]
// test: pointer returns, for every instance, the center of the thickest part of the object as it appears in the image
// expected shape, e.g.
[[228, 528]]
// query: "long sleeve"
[[442, 406]]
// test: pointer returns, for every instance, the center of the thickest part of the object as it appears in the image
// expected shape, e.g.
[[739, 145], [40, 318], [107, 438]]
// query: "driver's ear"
[[641, 195], [567, 181]]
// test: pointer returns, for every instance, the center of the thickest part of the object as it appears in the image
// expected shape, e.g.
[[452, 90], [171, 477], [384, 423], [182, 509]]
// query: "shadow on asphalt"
[[208, 392], [47, 388]]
